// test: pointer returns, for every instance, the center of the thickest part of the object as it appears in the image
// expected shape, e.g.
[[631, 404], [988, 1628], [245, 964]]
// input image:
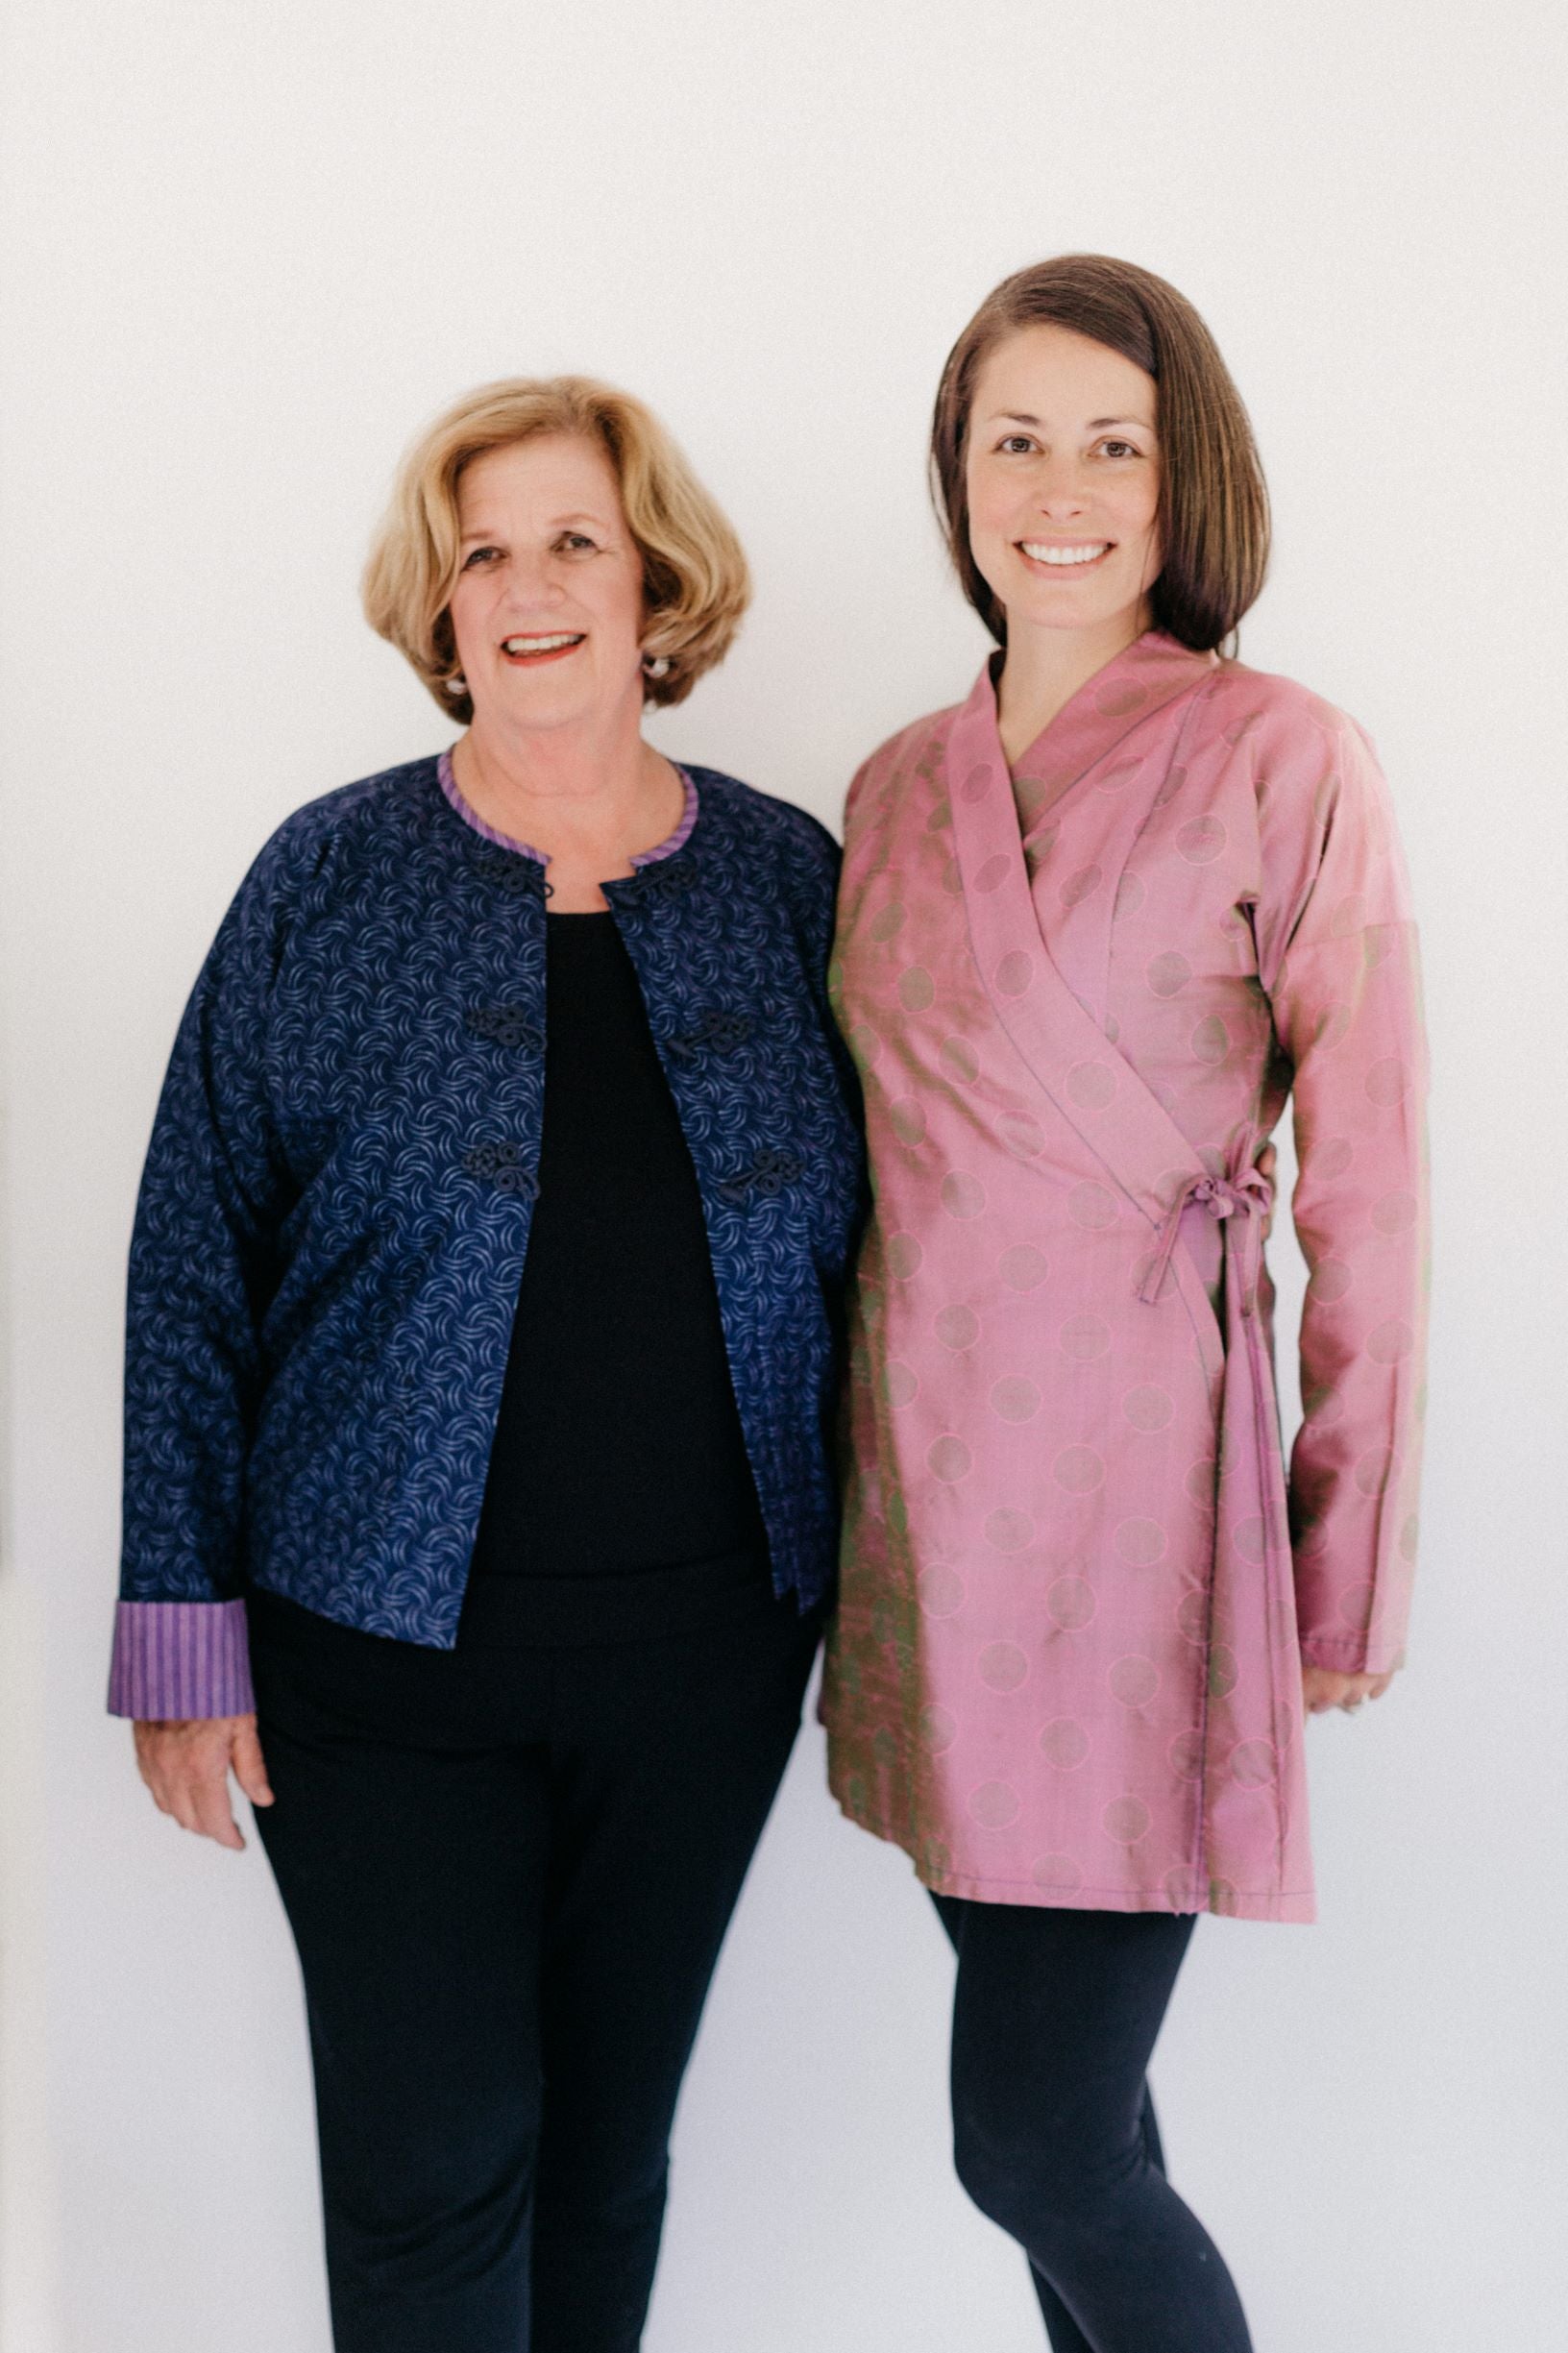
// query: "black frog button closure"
[[502, 1164], [506, 1025], [771, 1173]]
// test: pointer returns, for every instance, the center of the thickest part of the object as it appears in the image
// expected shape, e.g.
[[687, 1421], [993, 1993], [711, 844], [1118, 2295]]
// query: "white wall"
[[247, 252]]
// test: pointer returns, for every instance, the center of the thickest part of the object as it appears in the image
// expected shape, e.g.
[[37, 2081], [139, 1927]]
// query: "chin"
[[540, 702], [1045, 609], [1059, 614]]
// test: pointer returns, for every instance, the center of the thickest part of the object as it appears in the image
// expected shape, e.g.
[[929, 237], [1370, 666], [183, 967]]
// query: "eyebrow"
[[1096, 425]]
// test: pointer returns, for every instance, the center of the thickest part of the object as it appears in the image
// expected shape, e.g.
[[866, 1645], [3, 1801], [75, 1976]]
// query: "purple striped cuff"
[[175, 1660]]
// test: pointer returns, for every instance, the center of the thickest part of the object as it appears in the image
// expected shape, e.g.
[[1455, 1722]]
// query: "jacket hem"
[[1294, 1905]]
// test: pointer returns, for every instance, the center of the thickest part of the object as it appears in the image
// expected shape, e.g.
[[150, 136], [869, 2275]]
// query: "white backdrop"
[[246, 251]]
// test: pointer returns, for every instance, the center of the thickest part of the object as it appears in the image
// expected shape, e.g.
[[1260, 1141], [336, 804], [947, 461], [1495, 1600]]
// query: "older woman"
[[1097, 923], [481, 1348]]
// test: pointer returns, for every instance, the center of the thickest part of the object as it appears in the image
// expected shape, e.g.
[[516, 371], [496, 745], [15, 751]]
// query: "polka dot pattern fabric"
[[1077, 1586]]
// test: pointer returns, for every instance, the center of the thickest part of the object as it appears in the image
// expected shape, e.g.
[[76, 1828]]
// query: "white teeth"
[[540, 645], [1042, 555]]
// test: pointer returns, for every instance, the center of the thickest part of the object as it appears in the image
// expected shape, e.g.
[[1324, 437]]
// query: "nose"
[[1059, 487], [1060, 490], [532, 577]]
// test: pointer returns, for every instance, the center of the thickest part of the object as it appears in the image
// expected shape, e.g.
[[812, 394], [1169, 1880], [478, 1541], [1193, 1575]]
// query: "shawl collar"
[[1094, 1087], [1151, 671]]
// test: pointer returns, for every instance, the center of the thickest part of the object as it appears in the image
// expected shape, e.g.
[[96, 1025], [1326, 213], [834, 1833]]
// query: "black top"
[[618, 1446]]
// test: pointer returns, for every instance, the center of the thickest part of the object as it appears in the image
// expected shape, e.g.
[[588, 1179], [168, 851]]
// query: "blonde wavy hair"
[[696, 585]]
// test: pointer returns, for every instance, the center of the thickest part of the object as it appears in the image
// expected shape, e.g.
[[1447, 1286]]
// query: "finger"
[[197, 1783], [182, 1779], [214, 1814], [182, 1804], [151, 1755], [145, 1754], [248, 1763], [166, 1761]]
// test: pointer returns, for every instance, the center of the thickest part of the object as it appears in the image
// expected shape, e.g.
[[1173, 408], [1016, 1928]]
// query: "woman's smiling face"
[[547, 605], [1062, 470]]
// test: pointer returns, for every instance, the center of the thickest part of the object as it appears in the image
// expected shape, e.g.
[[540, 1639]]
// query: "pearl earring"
[[456, 684], [656, 664]]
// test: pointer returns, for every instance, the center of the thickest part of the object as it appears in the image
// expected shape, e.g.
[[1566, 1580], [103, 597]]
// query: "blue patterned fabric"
[[337, 1195]]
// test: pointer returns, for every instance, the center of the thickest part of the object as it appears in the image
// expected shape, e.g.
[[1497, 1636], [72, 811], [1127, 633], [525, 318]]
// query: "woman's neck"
[[587, 801], [1044, 669]]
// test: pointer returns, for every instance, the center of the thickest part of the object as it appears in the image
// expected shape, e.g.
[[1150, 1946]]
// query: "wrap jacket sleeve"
[[1337, 959]]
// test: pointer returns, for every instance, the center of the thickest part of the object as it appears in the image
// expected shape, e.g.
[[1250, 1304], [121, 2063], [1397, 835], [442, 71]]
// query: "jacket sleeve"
[[1346, 1004], [201, 1272], [812, 864]]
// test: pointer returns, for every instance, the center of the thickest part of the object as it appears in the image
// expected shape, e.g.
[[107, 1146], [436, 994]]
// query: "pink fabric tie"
[[1222, 1197]]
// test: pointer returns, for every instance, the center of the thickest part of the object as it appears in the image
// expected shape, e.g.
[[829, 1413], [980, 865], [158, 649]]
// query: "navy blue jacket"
[[337, 1201]]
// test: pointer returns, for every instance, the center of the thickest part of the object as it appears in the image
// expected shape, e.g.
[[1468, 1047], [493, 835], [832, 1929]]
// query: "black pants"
[[1055, 2017], [508, 1872]]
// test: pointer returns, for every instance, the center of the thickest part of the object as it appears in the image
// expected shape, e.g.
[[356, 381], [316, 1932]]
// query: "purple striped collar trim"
[[469, 816]]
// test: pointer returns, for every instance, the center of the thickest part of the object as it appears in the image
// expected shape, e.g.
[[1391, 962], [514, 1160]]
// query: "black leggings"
[[508, 1872], [1055, 2015]]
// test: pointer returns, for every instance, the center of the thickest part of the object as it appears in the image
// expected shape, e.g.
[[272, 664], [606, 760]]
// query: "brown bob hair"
[[1214, 505], [696, 585]]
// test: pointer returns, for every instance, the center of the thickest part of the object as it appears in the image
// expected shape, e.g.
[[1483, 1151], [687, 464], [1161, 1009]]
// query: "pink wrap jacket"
[[1077, 1587]]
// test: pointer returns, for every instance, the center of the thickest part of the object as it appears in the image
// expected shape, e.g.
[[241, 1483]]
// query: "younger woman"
[[1095, 925]]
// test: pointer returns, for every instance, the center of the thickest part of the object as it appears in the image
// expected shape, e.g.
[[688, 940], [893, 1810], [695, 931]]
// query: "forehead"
[[1058, 375], [554, 473]]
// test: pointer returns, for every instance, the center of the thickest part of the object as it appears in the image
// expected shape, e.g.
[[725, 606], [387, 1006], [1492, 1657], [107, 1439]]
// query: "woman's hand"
[[187, 1767], [1269, 1160], [1322, 1688]]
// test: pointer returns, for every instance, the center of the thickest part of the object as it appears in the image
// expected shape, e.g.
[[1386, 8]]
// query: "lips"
[[1064, 557], [532, 651]]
